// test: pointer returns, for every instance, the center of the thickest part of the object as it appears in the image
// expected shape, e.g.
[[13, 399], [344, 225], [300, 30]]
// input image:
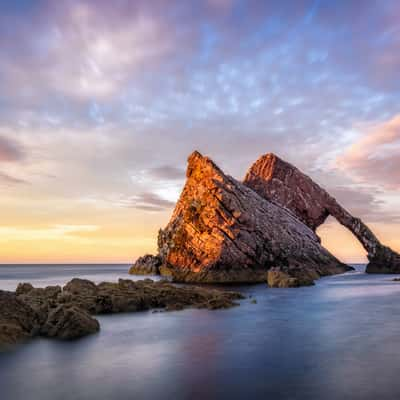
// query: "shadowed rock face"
[[146, 265], [18, 321], [283, 184], [222, 231]]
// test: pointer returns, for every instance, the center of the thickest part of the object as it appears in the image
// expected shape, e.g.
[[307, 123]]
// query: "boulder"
[[81, 287], [281, 278], [285, 185], [69, 322], [222, 231]]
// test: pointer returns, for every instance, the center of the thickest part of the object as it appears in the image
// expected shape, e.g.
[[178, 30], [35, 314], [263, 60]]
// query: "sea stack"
[[223, 231], [283, 184]]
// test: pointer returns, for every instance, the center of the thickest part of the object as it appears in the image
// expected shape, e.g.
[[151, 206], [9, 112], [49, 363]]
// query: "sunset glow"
[[101, 104]]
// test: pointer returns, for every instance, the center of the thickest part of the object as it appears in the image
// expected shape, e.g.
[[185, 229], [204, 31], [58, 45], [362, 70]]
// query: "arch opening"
[[341, 242]]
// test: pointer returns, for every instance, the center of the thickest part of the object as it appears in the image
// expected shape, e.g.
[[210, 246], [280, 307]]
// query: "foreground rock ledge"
[[65, 313]]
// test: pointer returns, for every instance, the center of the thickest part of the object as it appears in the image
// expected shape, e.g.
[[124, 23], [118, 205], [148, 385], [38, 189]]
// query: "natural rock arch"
[[283, 184], [222, 231], [338, 240]]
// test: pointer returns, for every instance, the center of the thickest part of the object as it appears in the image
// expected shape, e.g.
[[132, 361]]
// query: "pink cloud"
[[9, 150], [375, 157]]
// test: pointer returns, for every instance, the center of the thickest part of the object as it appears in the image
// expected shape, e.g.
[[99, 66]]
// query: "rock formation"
[[281, 278], [284, 185], [65, 313], [18, 321], [223, 231], [146, 265]]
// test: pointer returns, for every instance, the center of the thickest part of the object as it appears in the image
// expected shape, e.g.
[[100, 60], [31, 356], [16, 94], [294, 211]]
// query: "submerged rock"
[[285, 185], [223, 231], [146, 265]]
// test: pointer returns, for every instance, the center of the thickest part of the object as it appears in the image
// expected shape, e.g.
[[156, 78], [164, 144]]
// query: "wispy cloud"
[[375, 156], [9, 233], [10, 180], [147, 201], [167, 172]]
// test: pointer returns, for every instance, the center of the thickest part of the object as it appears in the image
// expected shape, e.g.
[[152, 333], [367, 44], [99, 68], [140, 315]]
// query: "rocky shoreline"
[[67, 312]]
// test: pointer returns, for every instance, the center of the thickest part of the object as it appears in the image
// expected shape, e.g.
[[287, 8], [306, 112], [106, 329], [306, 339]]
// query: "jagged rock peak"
[[282, 183], [267, 165], [199, 165]]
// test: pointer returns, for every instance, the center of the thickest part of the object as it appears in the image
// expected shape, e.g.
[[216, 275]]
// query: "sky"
[[102, 101]]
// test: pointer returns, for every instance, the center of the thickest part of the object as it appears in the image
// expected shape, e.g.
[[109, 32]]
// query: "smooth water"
[[336, 340]]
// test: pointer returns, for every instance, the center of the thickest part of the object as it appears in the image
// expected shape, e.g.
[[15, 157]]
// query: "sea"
[[337, 340]]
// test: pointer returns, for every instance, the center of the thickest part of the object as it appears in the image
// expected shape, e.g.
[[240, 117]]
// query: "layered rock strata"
[[283, 184], [221, 231]]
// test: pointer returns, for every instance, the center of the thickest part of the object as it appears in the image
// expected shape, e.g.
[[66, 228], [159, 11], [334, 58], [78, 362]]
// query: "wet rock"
[[223, 231], [23, 288], [40, 299], [383, 261], [65, 313], [146, 265], [69, 322], [18, 321], [82, 287], [131, 296], [280, 278], [285, 185]]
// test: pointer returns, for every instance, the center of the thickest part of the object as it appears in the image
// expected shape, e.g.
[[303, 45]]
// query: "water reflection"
[[336, 340]]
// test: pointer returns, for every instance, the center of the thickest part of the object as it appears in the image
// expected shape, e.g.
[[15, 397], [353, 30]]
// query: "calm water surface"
[[336, 340]]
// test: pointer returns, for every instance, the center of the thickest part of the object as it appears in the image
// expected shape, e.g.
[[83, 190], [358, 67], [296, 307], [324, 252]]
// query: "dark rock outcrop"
[[146, 265], [65, 313], [18, 321], [56, 317], [41, 300], [69, 322], [285, 185], [129, 296], [223, 231]]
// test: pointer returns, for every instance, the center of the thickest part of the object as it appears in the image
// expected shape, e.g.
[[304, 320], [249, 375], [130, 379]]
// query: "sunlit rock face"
[[285, 185], [223, 231]]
